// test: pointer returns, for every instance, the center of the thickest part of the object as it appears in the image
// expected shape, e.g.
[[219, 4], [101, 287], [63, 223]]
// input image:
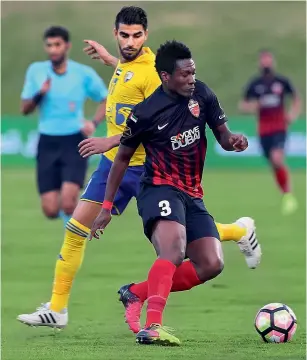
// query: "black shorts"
[[273, 141], [58, 161], [168, 203]]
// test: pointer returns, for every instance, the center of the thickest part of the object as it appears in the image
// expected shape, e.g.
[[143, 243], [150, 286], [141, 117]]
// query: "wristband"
[[37, 98], [96, 123], [107, 205]]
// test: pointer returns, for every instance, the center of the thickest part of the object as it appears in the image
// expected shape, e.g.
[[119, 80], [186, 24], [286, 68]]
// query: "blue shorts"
[[129, 187]]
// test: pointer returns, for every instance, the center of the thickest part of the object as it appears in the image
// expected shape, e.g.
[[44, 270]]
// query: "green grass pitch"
[[214, 321]]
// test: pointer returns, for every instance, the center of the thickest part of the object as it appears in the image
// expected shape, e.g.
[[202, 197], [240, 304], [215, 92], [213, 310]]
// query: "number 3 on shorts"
[[165, 208]]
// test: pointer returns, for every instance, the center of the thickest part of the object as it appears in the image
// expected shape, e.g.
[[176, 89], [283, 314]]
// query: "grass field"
[[214, 321]]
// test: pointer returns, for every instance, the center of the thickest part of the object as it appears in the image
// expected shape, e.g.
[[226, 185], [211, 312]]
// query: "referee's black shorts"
[[59, 161]]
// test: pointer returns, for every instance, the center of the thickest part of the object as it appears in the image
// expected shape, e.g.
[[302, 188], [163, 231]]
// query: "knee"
[[169, 241], [175, 255], [50, 212], [68, 206], [211, 269], [277, 159], [216, 266], [178, 255]]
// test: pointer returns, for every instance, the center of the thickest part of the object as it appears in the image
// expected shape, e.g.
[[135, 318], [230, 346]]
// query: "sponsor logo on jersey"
[[277, 88], [186, 138], [128, 76], [194, 108], [270, 101]]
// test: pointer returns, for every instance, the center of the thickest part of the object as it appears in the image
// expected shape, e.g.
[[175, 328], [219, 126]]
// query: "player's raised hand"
[[100, 223], [94, 145], [46, 86], [239, 142], [98, 52]]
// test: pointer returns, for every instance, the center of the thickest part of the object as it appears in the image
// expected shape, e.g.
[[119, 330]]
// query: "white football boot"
[[248, 244], [43, 316]]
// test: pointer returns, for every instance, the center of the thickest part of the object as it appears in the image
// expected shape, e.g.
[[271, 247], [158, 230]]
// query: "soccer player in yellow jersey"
[[134, 80]]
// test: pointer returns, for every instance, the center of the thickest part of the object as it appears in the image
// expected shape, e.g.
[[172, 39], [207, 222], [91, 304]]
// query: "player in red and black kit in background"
[[265, 94], [171, 124]]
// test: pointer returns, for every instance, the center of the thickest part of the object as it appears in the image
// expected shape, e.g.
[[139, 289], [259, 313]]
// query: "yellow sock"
[[230, 231], [69, 262]]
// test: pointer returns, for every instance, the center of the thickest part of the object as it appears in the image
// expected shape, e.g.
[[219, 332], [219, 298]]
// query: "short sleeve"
[[215, 113], [289, 88], [134, 132], [95, 87], [249, 91], [30, 87], [150, 83]]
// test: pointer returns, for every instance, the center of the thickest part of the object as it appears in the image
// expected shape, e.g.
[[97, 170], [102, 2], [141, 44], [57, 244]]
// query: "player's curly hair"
[[57, 31], [168, 53], [131, 15]]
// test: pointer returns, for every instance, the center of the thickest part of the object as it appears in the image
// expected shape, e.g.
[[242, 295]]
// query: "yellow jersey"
[[132, 82]]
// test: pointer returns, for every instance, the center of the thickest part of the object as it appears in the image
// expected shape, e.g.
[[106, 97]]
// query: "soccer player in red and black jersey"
[[171, 124], [266, 95]]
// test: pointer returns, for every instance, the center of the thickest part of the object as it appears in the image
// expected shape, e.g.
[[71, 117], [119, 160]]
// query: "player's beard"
[[58, 62], [131, 57], [266, 71]]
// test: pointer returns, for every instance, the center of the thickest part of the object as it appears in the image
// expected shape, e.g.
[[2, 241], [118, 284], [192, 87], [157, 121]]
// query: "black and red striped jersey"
[[173, 133], [270, 91]]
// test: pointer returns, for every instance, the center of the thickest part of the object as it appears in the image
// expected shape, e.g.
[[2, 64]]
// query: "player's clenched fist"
[[239, 142], [102, 220]]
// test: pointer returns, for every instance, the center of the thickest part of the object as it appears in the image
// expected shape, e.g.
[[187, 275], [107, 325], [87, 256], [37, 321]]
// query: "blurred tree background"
[[223, 36]]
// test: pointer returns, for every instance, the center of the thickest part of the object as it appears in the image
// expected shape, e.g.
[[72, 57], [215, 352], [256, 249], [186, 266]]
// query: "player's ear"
[[115, 32], [146, 35], [69, 45], [164, 76]]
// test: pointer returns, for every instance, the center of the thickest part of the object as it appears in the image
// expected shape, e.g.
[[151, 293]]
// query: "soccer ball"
[[276, 323]]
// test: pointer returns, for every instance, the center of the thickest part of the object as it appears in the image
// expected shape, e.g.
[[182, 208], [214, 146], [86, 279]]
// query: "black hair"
[[57, 31], [168, 54], [131, 15]]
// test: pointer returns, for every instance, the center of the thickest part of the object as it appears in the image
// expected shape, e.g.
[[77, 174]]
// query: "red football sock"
[[160, 279], [185, 278], [140, 290], [282, 179]]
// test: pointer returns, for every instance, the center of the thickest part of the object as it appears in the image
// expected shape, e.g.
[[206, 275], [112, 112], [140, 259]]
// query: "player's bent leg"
[[50, 203], [206, 256], [169, 241]]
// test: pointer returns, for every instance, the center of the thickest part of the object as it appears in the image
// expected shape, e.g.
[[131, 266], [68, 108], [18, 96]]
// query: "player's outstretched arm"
[[98, 52], [117, 172], [228, 140], [98, 145]]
